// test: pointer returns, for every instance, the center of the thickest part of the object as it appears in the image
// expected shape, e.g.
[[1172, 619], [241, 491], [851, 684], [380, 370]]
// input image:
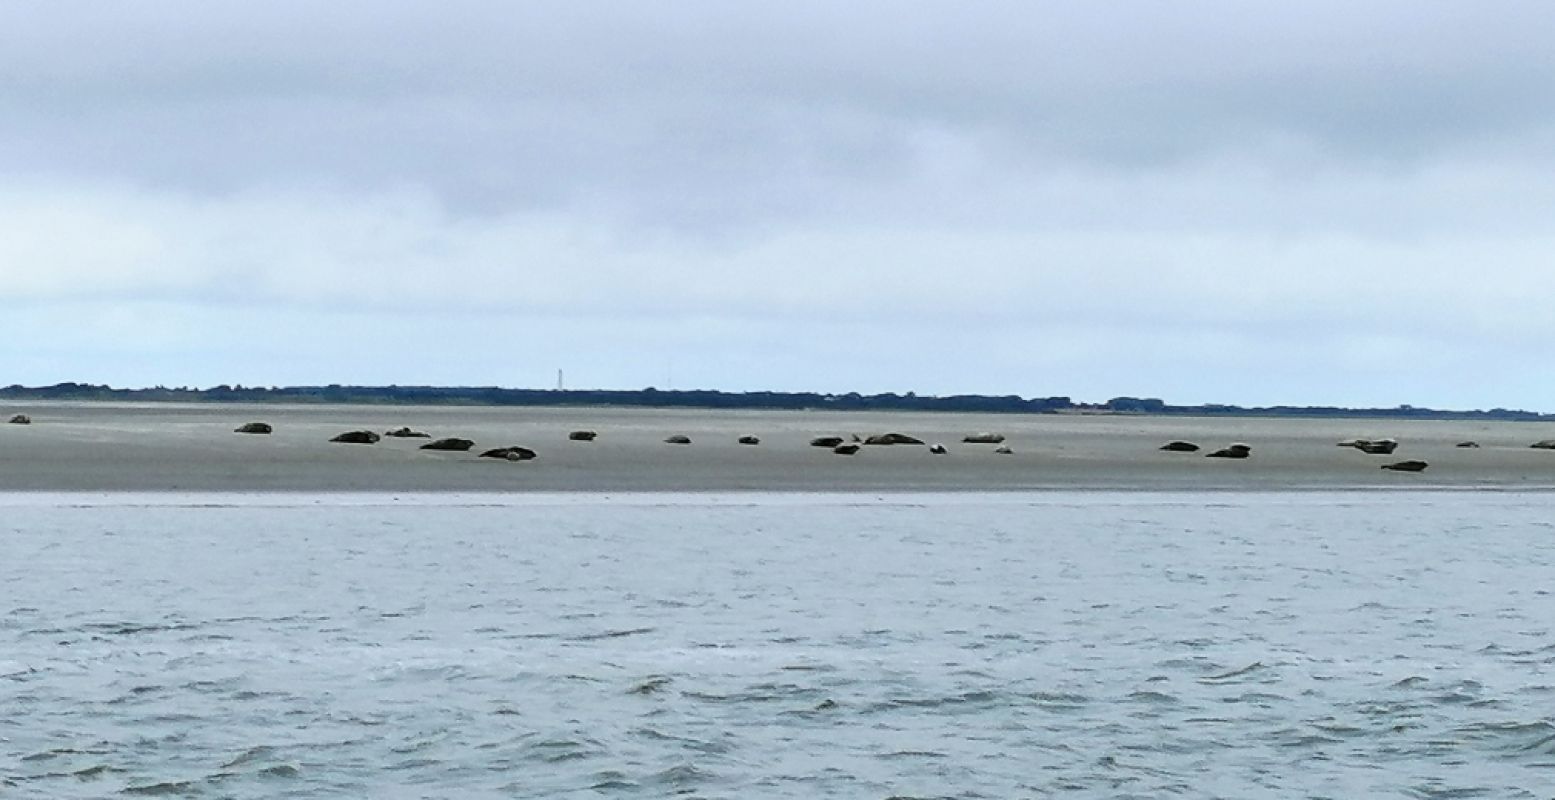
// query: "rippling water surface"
[[1089, 645]]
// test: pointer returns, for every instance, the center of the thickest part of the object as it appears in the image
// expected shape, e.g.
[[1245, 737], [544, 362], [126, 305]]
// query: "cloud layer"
[[1212, 202]]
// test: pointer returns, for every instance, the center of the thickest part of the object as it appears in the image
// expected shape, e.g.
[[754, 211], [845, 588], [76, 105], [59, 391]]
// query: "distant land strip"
[[706, 398]]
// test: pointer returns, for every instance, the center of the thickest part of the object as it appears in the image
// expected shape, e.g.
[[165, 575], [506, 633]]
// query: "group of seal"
[[1385, 447], [1369, 446], [853, 444], [450, 444], [837, 444], [1237, 450]]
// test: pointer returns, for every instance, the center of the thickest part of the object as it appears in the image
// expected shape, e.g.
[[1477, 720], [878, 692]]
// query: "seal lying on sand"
[[514, 453], [356, 437], [892, 438], [1407, 466], [749, 440], [1232, 451], [21, 419], [253, 427], [845, 449], [678, 439], [1180, 447], [983, 438], [1545, 444], [454, 444], [407, 433], [581, 436], [826, 441], [1376, 447]]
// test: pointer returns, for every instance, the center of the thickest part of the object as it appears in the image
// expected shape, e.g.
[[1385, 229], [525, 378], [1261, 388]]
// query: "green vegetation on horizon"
[[701, 398]]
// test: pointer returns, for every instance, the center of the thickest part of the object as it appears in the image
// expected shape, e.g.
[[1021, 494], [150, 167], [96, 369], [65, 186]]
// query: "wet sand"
[[91, 447]]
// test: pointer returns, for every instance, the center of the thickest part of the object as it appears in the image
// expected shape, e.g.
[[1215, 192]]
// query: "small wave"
[[1059, 701], [95, 771], [1154, 698], [681, 777], [414, 672], [1463, 693], [1262, 699], [133, 628], [808, 668], [760, 693], [556, 751], [1240, 672], [20, 674], [135, 694], [414, 764], [975, 698], [1313, 740], [48, 755], [610, 780], [162, 789], [1340, 730], [594, 637], [1519, 737], [251, 694], [1195, 664], [1437, 792], [686, 742], [651, 685], [250, 756], [910, 754]]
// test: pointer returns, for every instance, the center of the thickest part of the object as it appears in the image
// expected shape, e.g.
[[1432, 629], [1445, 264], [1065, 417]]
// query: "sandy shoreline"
[[109, 447]]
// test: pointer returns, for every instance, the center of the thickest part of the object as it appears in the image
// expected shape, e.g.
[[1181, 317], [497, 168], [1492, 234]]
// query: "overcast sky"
[[1309, 203]]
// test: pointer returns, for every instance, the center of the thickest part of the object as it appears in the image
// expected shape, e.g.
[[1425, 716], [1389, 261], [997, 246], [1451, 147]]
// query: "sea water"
[[1106, 645]]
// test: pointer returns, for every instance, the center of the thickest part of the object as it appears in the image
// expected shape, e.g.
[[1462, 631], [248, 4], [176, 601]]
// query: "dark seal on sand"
[[407, 433], [21, 419], [1545, 444], [1180, 447], [845, 449], [1467, 444], [892, 438], [749, 440], [356, 437], [451, 443], [514, 453], [582, 436], [983, 438], [254, 427], [826, 441], [678, 439], [938, 449], [1232, 451], [1407, 466]]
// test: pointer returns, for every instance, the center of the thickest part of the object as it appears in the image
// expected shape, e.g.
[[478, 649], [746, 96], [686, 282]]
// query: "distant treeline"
[[700, 398]]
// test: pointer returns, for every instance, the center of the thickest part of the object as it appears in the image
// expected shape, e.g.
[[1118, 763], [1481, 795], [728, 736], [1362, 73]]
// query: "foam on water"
[[1089, 644]]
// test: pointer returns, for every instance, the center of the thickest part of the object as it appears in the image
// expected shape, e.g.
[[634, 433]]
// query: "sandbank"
[[110, 447]]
